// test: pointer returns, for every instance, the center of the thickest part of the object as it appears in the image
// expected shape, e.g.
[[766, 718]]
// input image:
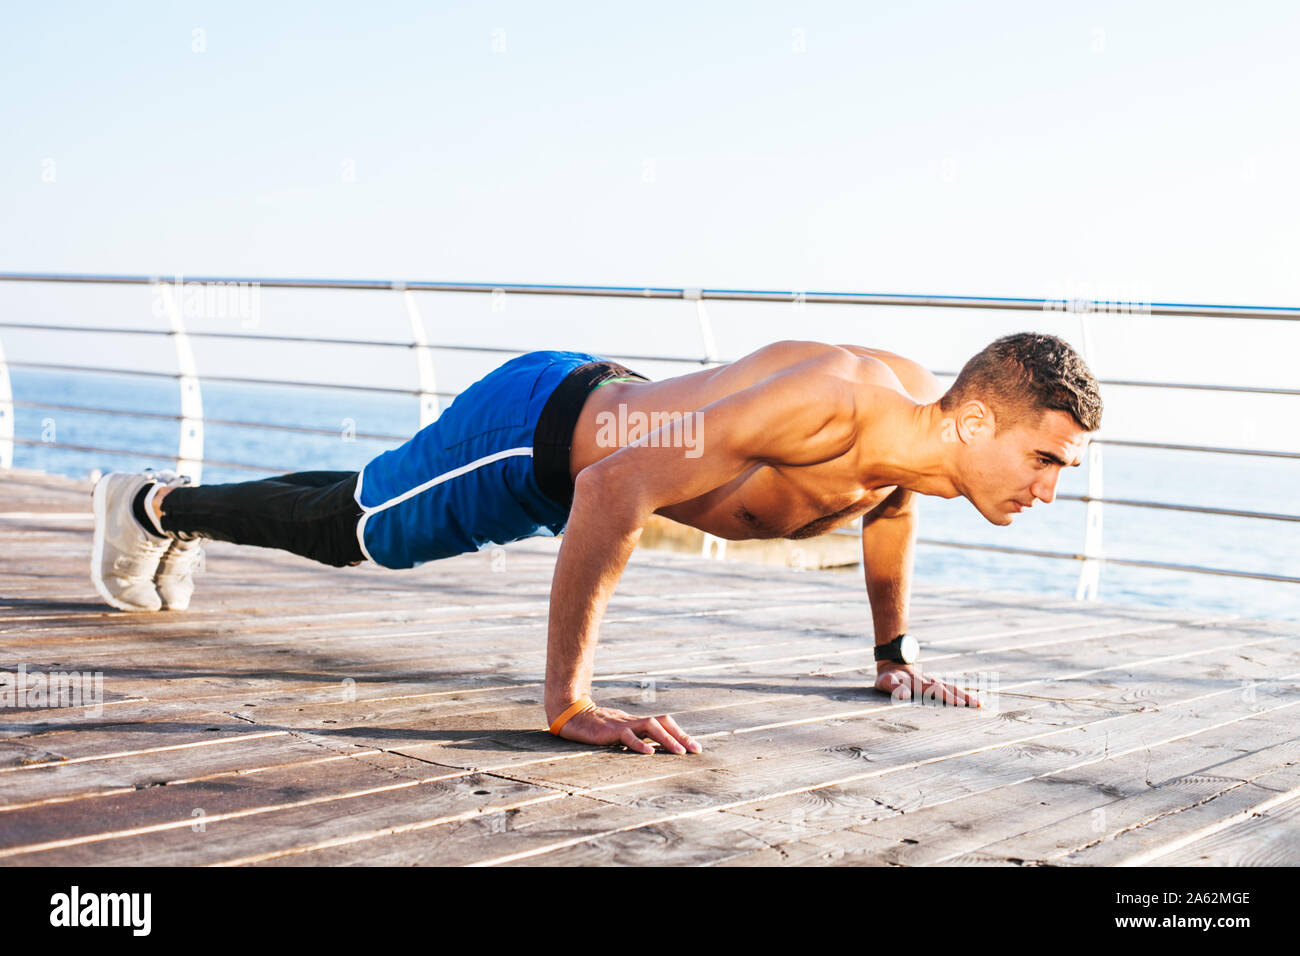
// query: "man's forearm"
[[888, 545], [601, 533]]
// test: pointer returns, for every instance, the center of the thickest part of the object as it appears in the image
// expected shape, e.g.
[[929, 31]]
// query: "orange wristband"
[[583, 703]]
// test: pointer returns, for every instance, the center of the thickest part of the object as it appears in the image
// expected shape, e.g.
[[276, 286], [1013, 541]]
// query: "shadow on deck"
[[300, 714]]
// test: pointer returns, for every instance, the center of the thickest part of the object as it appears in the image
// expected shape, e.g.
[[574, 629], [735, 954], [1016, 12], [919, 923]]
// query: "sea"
[[350, 427]]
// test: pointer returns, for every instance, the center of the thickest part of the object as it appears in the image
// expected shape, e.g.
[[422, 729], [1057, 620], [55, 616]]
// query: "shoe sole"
[[99, 505], [173, 607]]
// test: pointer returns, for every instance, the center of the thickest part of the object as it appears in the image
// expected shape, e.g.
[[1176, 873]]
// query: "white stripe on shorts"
[[445, 476]]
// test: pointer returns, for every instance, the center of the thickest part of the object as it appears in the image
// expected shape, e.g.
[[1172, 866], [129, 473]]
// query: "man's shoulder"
[[811, 356], [861, 371], [881, 367], [862, 365]]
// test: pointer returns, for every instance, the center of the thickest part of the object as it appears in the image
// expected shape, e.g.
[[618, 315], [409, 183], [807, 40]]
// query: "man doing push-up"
[[790, 441]]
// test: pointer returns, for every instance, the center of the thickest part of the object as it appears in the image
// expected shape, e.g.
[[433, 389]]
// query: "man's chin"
[[999, 518]]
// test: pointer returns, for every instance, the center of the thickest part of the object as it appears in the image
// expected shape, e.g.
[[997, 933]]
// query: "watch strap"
[[891, 651]]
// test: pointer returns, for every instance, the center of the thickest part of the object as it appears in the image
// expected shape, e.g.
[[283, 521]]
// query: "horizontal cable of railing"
[[1119, 442], [622, 357], [1205, 449], [381, 436], [148, 456], [1081, 306], [1130, 562], [1084, 305], [1170, 506], [232, 423], [1194, 386], [1029, 552], [315, 340], [225, 379], [334, 433]]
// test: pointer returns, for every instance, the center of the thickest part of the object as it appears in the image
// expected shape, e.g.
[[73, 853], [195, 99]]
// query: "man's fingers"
[[597, 726], [947, 693], [895, 684], [652, 728], [965, 698], [951, 694], [903, 685], [634, 742], [671, 726]]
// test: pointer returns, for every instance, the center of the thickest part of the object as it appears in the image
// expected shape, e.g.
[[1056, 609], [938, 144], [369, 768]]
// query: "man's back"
[[770, 498]]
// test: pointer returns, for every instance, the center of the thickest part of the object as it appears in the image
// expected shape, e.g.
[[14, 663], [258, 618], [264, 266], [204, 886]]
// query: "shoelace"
[[180, 562], [144, 558]]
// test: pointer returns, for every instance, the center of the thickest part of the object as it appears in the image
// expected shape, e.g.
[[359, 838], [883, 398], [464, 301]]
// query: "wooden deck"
[[299, 714]]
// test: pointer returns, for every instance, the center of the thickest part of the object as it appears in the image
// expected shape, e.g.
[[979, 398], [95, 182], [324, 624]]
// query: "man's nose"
[[1045, 489]]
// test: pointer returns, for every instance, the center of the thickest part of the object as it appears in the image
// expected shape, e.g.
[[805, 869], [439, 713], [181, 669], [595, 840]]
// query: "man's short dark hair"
[[1023, 375]]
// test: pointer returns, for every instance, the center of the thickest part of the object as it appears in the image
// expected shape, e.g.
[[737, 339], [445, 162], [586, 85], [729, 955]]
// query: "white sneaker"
[[175, 576], [125, 556]]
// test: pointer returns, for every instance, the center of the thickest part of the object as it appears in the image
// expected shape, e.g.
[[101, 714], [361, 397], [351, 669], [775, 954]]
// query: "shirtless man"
[[790, 441]]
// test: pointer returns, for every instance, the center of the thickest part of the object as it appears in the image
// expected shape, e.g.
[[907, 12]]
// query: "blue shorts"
[[468, 479]]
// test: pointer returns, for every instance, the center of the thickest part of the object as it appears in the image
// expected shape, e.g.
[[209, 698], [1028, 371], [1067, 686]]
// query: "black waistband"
[[553, 436]]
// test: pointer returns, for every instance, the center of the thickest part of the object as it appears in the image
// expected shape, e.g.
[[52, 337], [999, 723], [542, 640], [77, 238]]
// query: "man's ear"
[[972, 420]]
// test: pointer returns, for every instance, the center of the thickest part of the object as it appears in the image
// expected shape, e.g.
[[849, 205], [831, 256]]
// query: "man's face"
[[1007, 472]]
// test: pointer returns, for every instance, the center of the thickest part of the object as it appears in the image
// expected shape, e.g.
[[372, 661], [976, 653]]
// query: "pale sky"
[[1105, 149]]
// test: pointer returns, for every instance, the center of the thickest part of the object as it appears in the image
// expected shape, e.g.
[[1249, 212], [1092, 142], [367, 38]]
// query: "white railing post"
[[712, 544], [1089, 586], [423, 359], [706, 326], [6, 414], [189, 452], [1090, 576]]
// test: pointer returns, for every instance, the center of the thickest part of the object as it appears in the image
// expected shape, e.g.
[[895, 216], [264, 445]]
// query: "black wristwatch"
[[902, 649]]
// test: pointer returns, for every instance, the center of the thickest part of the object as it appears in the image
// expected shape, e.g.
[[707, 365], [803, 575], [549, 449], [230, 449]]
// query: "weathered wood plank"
[[1164, 835], [1267, 838], [1052, 814], [683, 796], [209, 821], [370, 716]]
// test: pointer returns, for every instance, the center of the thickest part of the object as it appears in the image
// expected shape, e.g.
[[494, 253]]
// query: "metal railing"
[[190, 457]]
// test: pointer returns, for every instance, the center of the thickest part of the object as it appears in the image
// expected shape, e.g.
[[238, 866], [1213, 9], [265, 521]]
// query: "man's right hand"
[[608, 726], [905, 681]]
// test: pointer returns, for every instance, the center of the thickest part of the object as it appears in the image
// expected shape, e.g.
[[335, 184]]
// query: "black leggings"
[[311, 513]]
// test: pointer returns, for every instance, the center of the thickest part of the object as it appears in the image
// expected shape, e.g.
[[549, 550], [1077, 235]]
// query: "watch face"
[[909, 649]]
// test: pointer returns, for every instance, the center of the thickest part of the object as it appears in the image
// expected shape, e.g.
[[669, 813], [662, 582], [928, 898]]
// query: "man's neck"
[[916, 456]]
